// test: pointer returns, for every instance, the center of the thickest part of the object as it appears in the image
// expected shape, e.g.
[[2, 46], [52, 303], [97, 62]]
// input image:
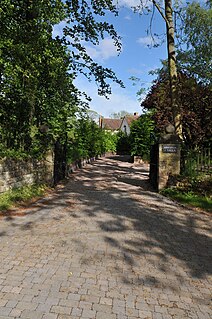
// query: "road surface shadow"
[[160, 227], [121, 158]]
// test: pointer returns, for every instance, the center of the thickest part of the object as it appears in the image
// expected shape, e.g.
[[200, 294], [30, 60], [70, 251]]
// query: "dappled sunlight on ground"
[[109, 240]]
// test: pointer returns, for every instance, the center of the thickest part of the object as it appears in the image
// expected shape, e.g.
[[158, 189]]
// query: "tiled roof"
[[111, 124], [115, 124], [129, 119]]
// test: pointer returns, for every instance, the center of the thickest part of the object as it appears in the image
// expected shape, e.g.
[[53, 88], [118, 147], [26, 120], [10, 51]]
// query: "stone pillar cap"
[[170, 129]]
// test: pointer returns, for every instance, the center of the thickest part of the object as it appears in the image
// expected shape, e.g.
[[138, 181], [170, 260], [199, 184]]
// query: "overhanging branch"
[[160, 11]]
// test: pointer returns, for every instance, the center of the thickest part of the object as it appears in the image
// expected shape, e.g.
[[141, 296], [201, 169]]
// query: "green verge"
[[189, 198], [20, 195]]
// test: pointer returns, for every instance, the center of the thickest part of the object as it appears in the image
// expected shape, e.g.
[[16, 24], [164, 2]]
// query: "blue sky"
[[136, 59]]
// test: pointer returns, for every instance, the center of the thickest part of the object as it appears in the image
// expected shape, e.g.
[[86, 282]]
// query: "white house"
[[126, 122], [116, 125]]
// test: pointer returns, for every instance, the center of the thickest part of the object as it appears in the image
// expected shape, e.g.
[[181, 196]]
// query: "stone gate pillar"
[[168, 157]]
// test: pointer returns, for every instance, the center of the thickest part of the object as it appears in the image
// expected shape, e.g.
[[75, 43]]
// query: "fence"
[[197, 161]]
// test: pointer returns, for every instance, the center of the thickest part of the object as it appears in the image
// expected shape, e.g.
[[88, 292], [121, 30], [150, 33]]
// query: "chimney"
[[100, 121]]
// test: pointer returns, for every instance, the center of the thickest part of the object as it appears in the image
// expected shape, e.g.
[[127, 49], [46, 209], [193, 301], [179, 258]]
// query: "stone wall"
[[16, 173], [71, 168]]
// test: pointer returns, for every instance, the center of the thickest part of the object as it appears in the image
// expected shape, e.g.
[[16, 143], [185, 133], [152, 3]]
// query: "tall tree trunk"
[[172, 68]]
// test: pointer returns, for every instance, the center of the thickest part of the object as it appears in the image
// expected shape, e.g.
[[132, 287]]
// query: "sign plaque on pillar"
[[169, 156], [169, 149]]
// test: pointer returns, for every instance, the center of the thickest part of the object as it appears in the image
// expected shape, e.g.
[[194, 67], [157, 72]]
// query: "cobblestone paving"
[[105, 246]]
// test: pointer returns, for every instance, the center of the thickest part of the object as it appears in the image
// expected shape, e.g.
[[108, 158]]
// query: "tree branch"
[[160, 11]]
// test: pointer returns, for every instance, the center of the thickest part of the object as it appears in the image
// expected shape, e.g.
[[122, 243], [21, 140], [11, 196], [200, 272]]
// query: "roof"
[[111, 124], [115, 124], [129, 119]]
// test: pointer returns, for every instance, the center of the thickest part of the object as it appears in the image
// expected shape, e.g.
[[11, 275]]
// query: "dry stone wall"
[[16, 173]]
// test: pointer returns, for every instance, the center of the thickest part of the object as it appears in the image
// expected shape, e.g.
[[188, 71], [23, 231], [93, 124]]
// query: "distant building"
[[116, 125], [126, 122], [110, 124]]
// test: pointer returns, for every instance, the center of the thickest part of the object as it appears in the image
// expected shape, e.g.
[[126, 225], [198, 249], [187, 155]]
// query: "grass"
[[20, 195], [189, 198], [194, 192]]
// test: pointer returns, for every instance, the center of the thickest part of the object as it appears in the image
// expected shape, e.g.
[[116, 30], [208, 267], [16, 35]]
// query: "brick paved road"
[[105, 247]]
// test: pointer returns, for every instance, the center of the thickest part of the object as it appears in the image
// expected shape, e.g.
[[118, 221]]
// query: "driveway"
[[105, 246]]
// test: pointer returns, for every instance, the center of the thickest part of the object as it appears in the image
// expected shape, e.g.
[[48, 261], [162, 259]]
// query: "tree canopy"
[[195, 100], [120, 114], [37, 70], [140, 135], [197, 36]]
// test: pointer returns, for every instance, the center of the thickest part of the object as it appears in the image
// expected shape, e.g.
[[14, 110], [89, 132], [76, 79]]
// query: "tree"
[[84, 24], [197, 36], [196, 112], [167, 15], [140, 135], [120, 114], [172, 67], [37, 70], [89, 140], [123, 143], [195, 61], [110, 141], [33, 74]]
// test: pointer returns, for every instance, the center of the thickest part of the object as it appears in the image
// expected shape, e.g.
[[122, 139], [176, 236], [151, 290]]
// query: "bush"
[[123, 144], [22, 194], [193, 191]]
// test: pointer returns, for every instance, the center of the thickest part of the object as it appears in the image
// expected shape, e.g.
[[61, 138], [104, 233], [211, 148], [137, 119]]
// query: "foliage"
[[196, 161], [195, 100], [166, 10], [93, 115], [110, 141], [197, 35], [27, 54], [196, 58], [140, 135], [89, 140], [11, 153], [19, 195], [123, 144], [37, 69], [120, 114], [194, 191], [189, 198]]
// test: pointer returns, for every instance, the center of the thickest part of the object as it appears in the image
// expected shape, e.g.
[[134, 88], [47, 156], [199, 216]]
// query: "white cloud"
[[136, 71], [127, 3], [105, 50], [128, 18], [147, 41], [132, 3], [58, 29], [119, 100]]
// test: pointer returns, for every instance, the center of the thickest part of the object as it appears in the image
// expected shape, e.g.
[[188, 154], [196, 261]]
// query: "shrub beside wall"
[[16, 173]]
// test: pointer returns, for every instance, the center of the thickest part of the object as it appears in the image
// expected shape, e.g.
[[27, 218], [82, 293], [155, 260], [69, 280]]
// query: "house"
[[116, 125], [108, 124], [126, 122]]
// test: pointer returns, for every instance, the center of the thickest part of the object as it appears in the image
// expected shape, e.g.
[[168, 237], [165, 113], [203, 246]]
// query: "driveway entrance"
[[105, 246]]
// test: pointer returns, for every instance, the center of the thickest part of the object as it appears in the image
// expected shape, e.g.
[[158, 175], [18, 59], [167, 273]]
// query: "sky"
[[136, 59]]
